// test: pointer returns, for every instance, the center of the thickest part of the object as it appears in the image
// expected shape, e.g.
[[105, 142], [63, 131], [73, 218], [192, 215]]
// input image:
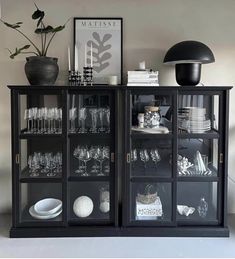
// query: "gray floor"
[[116, 247]]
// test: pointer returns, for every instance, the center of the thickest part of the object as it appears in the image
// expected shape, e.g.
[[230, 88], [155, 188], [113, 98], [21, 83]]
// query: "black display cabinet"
[[165, 177]]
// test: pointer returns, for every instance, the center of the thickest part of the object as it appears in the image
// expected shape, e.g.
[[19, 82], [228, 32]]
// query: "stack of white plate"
[[48, 208], [193, 119]]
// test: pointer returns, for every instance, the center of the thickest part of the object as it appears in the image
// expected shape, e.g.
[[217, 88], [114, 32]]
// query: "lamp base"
[[188, 74]]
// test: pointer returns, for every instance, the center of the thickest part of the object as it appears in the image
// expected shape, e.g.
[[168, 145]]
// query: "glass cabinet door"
[[198, 159], [91, 158], [40, 158], [149, 158]]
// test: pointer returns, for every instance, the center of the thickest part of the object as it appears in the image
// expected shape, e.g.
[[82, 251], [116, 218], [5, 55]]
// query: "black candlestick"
[[88, 76]]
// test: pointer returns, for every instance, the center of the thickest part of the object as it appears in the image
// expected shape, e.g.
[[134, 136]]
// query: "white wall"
[[151, 27]]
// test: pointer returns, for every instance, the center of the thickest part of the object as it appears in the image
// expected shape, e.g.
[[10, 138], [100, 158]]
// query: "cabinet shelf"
[[75, 178], [26, 178], [24, 135], [151, 135], [212, 134], [150, 179], [89, 135]]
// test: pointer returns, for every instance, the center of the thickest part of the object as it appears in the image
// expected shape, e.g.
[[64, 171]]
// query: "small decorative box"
[[149, 211]]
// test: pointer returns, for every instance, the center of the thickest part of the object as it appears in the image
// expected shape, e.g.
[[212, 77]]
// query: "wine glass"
[[107, 113], [82, 114], [78, 154], [27, 118], [101, 112], [51, 165], [100, 156], [134, 156], [34, 165], [72, 118], [144, 156], [85, 157], [155, 156], [95, 167], [94, 117]]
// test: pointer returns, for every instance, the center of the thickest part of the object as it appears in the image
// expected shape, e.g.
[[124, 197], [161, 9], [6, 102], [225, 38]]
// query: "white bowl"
[[35, 215], [48, 206]]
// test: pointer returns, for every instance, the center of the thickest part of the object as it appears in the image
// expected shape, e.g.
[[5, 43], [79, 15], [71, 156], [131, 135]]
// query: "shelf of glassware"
[[208, 134]]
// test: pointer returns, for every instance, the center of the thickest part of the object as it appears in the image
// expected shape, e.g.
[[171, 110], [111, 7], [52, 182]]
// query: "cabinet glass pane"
[[40, 159], [151, 157], [31, 193], [198, 113], [151, 113], [151, 202], [197, 157], [40, 114], [197, 201], [90, 202], [90, 157], [90, 113]]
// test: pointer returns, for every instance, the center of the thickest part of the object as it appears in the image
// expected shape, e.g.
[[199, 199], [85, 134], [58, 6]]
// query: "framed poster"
[[102, 37]]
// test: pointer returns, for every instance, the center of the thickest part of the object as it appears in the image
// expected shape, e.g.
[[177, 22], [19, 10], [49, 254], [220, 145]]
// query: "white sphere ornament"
[[83, 206], [104, 206]]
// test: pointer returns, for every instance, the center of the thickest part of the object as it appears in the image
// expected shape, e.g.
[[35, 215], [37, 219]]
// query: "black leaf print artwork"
[[100, 53]]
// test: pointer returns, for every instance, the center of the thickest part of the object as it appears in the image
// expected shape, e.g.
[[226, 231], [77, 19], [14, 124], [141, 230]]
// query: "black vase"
[[188, 73], [41, 70]]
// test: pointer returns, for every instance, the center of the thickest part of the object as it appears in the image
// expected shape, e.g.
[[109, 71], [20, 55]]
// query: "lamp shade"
[[189, 52]]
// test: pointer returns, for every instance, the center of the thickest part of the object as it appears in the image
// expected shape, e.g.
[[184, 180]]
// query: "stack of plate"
[[193, 119], [46, 209]]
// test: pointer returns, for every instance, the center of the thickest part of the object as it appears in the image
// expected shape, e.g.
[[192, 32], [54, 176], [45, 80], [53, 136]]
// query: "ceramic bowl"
[[48, 206]]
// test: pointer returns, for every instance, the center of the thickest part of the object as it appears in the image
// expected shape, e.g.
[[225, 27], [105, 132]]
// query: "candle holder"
[[87, 76], [74, 78]]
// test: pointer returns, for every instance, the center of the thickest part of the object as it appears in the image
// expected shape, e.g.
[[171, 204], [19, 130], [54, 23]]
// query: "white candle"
[[91, 56], [85, 56], [76, 58], [142, 65], [69, 61]]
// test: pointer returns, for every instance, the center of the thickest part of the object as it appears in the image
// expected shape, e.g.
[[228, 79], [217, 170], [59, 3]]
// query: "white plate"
[[35, 215], [48, 206], [159, 130]]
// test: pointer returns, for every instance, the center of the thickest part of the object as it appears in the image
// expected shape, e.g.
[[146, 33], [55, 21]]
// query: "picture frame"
[[105, 35]]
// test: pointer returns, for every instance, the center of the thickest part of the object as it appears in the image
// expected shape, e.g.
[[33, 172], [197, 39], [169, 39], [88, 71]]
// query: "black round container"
[[41, 70]]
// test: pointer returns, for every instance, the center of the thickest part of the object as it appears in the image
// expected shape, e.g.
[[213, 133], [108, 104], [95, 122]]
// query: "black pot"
[[41, 70], [188, 73]]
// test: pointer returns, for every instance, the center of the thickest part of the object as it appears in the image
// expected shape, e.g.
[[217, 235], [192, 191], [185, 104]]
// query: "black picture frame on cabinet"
[[101, 80]]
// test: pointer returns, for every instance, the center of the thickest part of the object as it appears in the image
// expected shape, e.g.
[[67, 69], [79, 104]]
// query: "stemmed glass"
[[34, 166], [94, 117], [144, 156], [72, 118], [78, 154], [95, 167], [60, 120], [27, 118], [155, 155], [106, 151], [82, 114], [101, 116], [100, 156], [86, 156], [50, 165], [134, 156], [107, 113]]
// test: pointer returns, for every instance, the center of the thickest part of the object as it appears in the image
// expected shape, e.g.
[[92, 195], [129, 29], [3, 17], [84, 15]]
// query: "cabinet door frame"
[[126, 181]]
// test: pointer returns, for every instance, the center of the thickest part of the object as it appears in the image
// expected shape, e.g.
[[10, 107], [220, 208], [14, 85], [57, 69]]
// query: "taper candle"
[[76, 58], [85, 56], [91, 55], [69, 61]]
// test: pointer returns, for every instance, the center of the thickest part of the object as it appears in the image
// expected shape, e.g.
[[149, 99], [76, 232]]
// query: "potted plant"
[[39, 68]]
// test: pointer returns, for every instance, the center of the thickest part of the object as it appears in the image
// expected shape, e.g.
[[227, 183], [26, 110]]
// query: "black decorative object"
[[74, 78], [87, 75], [41, 70], [188, 56]]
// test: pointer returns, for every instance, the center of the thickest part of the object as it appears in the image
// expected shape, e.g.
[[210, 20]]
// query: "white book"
[[149, 80], [142, 72], [141, 84], [143, 77]]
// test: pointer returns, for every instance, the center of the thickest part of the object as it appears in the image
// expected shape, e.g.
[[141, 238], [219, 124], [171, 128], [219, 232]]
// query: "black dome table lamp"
[[188, 56]]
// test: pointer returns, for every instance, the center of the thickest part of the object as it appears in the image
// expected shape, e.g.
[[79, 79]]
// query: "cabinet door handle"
[[17, 159], [128, 158], [112, 157]]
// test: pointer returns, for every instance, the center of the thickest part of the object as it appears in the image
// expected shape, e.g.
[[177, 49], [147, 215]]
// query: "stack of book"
[[143, 78]]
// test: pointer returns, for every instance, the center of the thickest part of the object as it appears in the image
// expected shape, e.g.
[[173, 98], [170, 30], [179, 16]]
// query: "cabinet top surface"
[[123, 87]]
